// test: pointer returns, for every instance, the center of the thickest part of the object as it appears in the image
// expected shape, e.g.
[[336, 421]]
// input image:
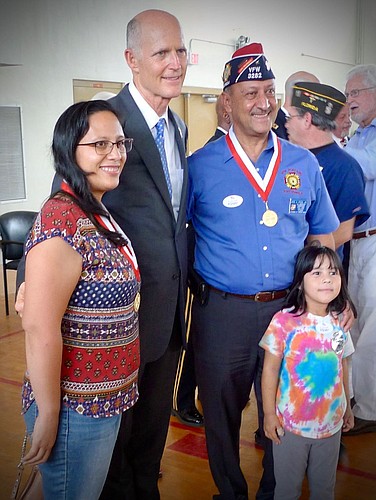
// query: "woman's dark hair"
[[305, 262], [70, 128]]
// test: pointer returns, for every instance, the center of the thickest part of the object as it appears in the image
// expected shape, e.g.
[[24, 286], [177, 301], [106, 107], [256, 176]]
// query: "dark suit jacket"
[[141, 205], [279, 126], [217, 134]]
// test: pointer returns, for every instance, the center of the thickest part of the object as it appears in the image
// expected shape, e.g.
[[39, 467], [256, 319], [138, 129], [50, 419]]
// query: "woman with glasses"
[[80, 313]]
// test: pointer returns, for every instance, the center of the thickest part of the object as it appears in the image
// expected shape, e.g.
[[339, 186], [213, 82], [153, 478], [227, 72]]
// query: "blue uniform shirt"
[[345, 182], [235, 251]]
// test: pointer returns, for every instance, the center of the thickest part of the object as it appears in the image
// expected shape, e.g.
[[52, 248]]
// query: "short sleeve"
[[349, 346], [61, 218], [273, 339]]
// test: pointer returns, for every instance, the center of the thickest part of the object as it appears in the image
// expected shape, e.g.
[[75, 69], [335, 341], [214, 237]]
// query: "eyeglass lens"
[[105, 147]]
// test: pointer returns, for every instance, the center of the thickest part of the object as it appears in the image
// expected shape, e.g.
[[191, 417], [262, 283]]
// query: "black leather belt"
[[364, 234], [257, 297]]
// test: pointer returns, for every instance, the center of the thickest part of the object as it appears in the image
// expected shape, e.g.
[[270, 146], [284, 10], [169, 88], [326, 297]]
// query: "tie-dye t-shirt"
[[310, 397]]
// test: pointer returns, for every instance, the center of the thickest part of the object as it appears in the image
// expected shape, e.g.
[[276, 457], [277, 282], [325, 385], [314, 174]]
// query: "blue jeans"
[[79, 461]]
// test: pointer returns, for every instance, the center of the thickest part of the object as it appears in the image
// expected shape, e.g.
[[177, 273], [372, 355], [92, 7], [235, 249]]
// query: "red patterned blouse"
[[99, 329]]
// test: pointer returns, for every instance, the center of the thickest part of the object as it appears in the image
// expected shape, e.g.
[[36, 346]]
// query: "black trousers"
[[135, 464], [226, 332]]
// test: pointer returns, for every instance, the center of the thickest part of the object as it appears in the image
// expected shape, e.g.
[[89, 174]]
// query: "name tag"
[[233, 201]]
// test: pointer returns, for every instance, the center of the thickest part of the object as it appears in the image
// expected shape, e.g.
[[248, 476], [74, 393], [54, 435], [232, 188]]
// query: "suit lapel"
[[180, 140], [135, 126]]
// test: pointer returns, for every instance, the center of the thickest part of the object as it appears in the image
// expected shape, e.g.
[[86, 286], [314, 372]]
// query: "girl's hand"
[[273, 428], [348, 420], [44, 437]]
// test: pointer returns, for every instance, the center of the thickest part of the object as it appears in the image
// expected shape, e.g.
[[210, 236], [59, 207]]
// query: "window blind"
[[12, 173]]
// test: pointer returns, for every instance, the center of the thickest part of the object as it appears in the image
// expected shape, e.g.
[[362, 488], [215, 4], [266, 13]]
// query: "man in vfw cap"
[[253, 201], [314, 108]]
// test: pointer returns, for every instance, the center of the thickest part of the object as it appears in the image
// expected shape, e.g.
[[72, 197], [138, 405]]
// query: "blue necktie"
[[159, 140]]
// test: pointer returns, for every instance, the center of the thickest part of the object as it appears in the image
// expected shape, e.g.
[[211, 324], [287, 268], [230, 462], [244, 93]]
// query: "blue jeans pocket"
[[83, 449]]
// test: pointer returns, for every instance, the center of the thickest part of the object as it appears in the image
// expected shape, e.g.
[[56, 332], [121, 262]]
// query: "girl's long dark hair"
[[70, 128], [305, 262]]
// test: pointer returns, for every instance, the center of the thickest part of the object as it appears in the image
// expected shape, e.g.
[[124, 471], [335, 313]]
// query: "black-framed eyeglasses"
[[356, 92], [106, 147]]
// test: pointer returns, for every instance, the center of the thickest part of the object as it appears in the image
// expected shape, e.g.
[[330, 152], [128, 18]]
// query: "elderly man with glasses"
[[361, 96]]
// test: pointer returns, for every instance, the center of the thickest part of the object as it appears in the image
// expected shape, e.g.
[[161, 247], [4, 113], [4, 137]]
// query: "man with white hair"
[[361, 97]]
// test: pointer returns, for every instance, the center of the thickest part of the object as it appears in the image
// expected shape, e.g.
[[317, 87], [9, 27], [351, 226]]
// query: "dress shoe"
[[190, 417], [361, 427]]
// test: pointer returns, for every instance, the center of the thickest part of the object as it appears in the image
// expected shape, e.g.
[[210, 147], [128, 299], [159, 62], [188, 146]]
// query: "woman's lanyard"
[[127, 249], [262, 186], [110, 224]]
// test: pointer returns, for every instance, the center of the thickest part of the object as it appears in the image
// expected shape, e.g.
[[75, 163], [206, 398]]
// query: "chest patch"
[[297, 206]]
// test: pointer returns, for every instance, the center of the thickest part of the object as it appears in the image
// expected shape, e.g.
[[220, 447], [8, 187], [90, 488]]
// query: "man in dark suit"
[[150, 206], [154, 219]]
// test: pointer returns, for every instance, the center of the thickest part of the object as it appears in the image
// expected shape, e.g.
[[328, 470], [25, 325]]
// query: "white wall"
[[56, 41]]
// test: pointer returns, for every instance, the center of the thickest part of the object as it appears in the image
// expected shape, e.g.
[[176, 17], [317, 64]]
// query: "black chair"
[[14, 228]]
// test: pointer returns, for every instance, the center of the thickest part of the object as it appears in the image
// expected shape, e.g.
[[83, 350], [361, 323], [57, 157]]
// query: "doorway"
[[85, 90], [196, 106]]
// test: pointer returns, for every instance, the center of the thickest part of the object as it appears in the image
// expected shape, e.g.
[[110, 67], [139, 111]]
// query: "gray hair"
[[321, 122], [133, 35], [366, 71]]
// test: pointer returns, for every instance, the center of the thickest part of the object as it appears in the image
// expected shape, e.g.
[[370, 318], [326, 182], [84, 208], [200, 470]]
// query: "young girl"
[[305, 377]]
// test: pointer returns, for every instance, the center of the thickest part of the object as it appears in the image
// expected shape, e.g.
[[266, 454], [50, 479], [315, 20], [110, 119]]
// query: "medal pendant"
[[269, 218], [136, 303]]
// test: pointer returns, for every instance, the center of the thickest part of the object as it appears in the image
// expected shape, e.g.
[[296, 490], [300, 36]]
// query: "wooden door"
[[196, 106]]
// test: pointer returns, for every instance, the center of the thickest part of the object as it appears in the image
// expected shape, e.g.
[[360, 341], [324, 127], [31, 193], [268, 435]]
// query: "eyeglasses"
[[288, 117], [356, 92], [106, 147]]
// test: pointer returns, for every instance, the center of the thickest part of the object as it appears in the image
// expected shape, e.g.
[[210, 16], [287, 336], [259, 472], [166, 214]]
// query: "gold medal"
[[269, 217], [136, 302]]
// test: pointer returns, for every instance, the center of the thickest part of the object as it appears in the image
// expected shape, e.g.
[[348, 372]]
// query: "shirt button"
[[265, 247], [267, 275]]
